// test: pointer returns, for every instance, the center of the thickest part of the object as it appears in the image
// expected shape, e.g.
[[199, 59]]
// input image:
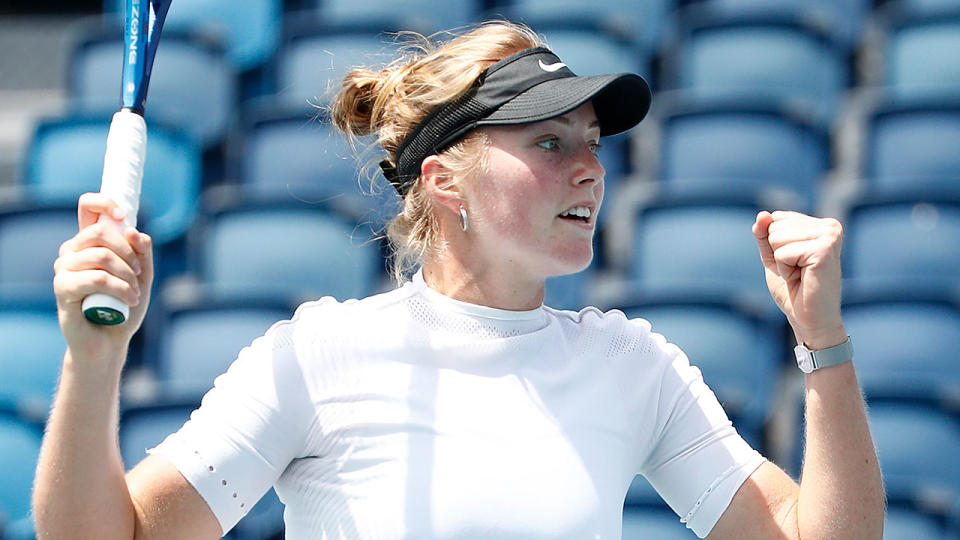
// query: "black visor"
[[525, 87]]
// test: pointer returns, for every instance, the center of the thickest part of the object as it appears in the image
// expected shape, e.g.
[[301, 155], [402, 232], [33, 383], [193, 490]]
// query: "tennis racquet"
[[127, 138]]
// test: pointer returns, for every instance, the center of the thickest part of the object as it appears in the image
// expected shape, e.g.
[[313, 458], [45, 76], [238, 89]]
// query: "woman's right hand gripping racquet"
[[127, 138]]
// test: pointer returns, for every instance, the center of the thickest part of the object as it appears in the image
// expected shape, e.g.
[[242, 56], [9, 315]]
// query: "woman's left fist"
[[801, 260]]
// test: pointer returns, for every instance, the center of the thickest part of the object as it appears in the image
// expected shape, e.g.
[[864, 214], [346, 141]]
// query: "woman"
[[457, 406]]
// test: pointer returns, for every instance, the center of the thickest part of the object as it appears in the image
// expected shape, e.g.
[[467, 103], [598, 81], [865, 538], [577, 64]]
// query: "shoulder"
[[622, 336], [328, 317]]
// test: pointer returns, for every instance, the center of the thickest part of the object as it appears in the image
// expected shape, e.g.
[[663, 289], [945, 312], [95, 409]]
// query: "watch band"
[[810, 361]]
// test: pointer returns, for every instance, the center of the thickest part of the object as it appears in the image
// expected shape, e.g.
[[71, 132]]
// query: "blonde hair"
[[391, 102]]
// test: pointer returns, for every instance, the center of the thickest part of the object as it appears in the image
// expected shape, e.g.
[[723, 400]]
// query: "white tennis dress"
[[413, 415]]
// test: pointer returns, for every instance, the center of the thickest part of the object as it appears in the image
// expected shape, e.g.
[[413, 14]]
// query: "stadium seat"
[[65, 159], [760, 56], [313, 60], [195, 344], [289, 249], [844, 19], [19, 449], [193, 86], [905, 523], [901, 239], [915, 445], [919, 57], [647, 523], [294, 153], [144, 427], [643, 22], [426, 16], [924, 368], [739, 350], [742, 146], [30, 238], [912, 145], [31, 352], [249, 35], [702, 244]]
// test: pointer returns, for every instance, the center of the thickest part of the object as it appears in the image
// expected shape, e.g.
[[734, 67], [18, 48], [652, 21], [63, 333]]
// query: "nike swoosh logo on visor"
[[551, 67]]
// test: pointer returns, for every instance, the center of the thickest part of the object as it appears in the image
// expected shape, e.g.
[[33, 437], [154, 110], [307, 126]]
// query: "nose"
[[588, 167]]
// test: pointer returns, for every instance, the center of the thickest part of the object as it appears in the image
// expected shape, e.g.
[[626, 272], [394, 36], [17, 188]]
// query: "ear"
[[438, 181]]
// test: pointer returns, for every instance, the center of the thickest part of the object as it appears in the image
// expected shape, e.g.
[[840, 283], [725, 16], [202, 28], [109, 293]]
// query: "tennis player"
[[457, 405]]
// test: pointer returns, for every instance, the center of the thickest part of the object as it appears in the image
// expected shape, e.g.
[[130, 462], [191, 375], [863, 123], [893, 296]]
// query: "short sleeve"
[[248, 428], [698, 460]]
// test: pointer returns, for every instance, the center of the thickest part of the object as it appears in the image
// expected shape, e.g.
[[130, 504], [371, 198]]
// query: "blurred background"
[[841, 108]]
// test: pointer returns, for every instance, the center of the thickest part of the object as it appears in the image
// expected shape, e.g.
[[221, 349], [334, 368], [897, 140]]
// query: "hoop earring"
[[464, 221]]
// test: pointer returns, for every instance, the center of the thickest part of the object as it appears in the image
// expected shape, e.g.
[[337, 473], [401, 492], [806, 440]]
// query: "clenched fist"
[[801, 260]]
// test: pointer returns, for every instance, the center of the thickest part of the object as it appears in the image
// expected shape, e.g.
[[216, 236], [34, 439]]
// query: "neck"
[[499, 288]]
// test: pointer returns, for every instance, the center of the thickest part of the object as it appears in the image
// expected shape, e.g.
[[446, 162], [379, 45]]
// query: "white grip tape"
[[123, 163], [122, 175]]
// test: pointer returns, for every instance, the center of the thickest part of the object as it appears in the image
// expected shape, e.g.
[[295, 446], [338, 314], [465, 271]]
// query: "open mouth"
[[577, 213]]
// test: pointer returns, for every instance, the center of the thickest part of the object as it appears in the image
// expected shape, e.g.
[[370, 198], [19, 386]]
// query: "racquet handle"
[[122, 175]]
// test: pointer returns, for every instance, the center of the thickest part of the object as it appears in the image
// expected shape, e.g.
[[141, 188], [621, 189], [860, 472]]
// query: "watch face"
[[804, 361]]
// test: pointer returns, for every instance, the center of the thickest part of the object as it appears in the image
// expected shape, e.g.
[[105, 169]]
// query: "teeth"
[[578, 211]]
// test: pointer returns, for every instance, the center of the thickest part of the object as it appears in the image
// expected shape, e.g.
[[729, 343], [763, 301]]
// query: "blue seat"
[[739, 350], [912, 145], [289, 152], [249, 35], [65, 159], [194, 344], [426, 16], [843, 19], [926, 6], [19, 450], [643, 22], [889, 368], [659, 523], [144, 427], [286, 249], [687, 244], [916, 445], [898, 239], [905, 523], [767, 56], [919, 59], [193, 86], [312, 61], [743, 146], [30, 238], [31, 352]]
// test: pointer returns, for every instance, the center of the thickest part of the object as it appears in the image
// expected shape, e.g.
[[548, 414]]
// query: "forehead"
[[583, 117]]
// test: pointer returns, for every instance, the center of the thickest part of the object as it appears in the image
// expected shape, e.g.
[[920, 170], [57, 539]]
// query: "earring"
[[464, 222]]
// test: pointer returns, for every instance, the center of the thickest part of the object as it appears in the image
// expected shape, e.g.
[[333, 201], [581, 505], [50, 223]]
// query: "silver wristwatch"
[[810, 361]]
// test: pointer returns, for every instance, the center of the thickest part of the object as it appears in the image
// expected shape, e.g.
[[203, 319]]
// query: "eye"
[[595, 147], [549, 144]]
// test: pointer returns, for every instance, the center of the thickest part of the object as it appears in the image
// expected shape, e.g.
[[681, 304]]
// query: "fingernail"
[[136, 267], [117, 214]]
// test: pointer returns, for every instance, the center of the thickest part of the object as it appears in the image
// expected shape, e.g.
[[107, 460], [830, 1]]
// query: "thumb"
[[761, 231]]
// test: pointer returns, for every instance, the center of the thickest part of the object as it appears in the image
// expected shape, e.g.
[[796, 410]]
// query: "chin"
[[573, 263]]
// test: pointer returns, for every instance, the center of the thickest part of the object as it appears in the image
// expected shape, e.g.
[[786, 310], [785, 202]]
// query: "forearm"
[[841, 489], [80, 488]]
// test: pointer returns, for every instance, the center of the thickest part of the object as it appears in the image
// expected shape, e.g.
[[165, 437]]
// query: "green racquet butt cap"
[[104, 315]]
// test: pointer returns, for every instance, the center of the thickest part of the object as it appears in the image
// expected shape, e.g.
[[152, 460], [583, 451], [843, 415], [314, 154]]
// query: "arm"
[[841, 491], [81, 490]]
